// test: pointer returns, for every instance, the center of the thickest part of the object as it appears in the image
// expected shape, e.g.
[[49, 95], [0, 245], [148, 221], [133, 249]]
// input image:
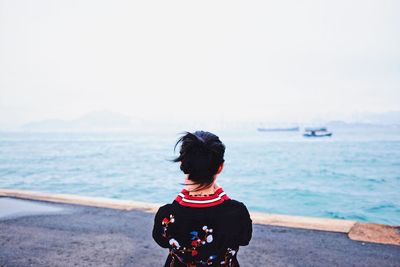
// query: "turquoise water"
[[353, 175]]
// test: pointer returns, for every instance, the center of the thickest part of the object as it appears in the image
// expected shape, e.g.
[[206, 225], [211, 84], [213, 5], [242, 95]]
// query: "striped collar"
[[185, 199]]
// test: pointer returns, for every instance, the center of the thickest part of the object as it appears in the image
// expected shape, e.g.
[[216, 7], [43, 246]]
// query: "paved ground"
[[11, 207], [86, 236]]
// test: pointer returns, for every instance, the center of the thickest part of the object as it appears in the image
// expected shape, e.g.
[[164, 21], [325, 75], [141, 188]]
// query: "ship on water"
[[317, 132], [284, 129]]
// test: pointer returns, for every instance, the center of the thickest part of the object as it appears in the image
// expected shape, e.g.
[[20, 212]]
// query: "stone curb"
[[80, 200]]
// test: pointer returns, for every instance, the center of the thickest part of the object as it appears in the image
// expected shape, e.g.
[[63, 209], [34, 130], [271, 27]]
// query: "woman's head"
[[201, 155]]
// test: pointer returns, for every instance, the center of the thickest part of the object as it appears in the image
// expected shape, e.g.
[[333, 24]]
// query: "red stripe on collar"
[[217, 198]]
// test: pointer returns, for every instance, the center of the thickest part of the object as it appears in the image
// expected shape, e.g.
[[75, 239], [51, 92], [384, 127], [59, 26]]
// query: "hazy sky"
[[273, 60]]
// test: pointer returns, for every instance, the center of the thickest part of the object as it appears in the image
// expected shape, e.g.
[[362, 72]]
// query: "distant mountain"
[[94, 121], [368, 120], [104, 120], [387, 118], [334, 125]]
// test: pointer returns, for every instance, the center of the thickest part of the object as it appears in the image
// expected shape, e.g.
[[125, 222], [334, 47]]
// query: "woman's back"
[[202, 230], [202, 226]]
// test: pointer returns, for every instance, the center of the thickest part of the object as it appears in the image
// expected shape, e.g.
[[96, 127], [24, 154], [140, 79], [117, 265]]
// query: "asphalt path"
[[88, 236]]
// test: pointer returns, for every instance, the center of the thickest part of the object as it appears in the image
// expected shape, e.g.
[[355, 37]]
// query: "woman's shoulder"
[[217, 205], [164, 208], [236, 206]]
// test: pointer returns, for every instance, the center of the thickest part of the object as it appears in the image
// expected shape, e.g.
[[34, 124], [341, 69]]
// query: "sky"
[[198, 60]]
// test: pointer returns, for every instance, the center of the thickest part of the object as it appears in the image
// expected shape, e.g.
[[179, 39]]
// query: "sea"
[[355, 174]]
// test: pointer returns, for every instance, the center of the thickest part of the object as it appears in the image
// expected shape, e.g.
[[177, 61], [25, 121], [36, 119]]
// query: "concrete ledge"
[[79, 200], [312, 223], [368, 232], [323, 224], [376, 233]]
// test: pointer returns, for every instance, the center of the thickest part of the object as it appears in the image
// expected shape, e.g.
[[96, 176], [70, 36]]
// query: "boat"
[[317, 129], [317, 132], [290, 129]]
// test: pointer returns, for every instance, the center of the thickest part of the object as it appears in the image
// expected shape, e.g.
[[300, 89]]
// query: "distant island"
[[110, 121], [102, 120], [278, 129]]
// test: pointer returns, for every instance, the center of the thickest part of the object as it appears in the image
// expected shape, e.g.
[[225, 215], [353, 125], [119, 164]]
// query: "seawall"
[[367, 232]]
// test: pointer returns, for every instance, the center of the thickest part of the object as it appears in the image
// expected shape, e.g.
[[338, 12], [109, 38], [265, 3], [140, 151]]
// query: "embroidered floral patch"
[[165, 222], [197, 240]]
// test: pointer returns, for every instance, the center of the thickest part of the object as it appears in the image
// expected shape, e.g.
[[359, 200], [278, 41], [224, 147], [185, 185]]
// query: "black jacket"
[[202, 231]]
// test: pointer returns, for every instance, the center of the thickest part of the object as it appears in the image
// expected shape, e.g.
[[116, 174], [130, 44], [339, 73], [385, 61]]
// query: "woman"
[[202, 226]]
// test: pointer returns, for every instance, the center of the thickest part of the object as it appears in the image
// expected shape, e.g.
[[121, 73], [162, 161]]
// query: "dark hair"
[[201, 154]]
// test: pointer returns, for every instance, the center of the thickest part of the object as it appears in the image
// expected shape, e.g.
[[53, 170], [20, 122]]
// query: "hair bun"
[[201, 154]]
